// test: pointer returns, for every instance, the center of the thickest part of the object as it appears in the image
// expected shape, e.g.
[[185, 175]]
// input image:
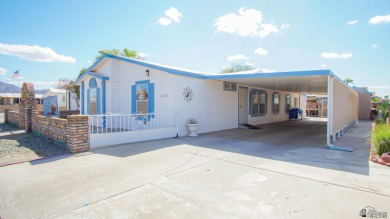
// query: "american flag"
[[15, 74]]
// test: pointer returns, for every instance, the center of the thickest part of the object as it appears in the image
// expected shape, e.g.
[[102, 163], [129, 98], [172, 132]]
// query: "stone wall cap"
[[77, 117]]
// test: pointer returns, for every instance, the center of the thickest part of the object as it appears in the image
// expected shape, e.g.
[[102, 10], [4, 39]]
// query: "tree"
[[375, 99], [68, 84], [348, 81], [128, 53], [237, 67], [82, 71], [386, 96]]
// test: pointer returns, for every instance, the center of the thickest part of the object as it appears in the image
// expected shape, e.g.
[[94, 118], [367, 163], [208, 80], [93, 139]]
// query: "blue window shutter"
[[88, 102], [97, 100], [151, 99], [133, 99], [82, 98], [266, 103], [250, 102]]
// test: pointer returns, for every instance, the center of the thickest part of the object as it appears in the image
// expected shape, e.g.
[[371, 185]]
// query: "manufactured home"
[[124, 95]]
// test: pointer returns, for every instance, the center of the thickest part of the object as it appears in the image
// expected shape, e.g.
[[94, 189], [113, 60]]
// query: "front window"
[[288, 103], [93, 97], [276, 103], [142, 91], [258, 103], [92, 100]]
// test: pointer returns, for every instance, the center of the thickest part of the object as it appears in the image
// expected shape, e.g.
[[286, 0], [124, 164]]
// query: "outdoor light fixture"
[[147, 72]]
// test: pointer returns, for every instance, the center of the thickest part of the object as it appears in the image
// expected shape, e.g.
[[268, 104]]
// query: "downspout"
[[330, 118]]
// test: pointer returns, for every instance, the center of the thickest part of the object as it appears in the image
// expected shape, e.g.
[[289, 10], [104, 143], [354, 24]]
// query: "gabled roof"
[[313, 80], [172, 70]]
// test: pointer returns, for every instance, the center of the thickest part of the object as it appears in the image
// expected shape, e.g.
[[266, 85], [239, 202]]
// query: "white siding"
[[270, 117], [214, 108]]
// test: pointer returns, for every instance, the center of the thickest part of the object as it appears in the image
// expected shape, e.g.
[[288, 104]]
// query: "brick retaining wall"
[[11, 117], [11, 107], [77, 133], [71, 133], [64, 114], [53, 128]]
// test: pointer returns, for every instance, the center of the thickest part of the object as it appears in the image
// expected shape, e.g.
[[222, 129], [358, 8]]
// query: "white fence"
[[114, 129]]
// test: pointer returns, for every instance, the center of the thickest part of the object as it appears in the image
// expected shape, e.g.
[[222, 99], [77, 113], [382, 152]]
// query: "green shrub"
[[385, 108], [381, 138]]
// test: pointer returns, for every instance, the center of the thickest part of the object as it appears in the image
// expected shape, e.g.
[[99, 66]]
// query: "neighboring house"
[[364, 103], [317, 106], [115, 85], [13, 98], [64, 98], [61, 96]]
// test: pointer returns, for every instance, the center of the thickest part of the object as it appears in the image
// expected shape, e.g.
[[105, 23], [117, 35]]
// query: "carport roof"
[[315, 81]]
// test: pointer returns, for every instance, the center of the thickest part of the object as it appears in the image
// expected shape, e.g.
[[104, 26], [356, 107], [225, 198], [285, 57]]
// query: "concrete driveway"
[[280, 171]]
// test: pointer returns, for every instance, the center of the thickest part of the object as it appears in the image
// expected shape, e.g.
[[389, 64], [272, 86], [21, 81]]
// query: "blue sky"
[[47, 40]]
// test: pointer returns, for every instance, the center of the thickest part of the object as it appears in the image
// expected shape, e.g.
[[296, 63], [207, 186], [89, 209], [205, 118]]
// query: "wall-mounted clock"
[[188, 94]]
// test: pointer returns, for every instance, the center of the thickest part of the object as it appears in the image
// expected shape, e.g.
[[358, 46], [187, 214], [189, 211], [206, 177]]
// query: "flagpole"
[[20, 88]]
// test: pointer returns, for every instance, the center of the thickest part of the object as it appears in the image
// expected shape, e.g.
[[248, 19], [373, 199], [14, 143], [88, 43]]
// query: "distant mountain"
[[10, 88]]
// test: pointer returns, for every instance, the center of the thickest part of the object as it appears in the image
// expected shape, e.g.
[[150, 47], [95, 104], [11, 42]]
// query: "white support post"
[[330, 111]]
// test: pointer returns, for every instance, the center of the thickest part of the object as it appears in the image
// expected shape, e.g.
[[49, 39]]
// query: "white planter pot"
[[193, 128]]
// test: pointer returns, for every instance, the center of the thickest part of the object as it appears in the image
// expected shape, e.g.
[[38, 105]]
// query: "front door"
[[242, 105]]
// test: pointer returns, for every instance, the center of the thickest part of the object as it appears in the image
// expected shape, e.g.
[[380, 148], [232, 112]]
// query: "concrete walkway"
[[280, 171]]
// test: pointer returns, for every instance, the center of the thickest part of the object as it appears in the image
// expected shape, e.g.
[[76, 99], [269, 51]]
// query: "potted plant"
[[192, 127]]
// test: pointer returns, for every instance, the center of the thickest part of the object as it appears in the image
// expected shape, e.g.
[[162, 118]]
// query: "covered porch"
[[343, 101]]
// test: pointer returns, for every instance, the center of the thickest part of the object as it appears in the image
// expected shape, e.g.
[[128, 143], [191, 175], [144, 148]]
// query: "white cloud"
[[380, 19], [34, 53], [3, 71], [261, 52], [89, 62], [324, 65], [247, 23], [333, 55], [172, 14], [375, 46], [353, 22], [142, 55], [164, 21], [237, 57], [285, 26], [380, 87]]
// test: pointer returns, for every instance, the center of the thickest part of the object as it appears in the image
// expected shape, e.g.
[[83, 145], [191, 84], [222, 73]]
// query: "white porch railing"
[[110, 129]]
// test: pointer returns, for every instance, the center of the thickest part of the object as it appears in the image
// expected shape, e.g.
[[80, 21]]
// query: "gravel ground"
[[16, 145]]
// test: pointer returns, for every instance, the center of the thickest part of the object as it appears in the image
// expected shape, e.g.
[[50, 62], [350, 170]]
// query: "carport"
[[343, 101]]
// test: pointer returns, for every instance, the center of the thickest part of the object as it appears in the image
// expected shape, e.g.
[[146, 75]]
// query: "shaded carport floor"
[[215, 175]]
